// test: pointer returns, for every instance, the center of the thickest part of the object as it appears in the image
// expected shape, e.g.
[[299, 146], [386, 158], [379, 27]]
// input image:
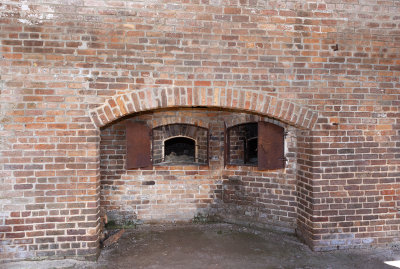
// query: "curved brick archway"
[[245, 100], [260, 103], [180, 120]]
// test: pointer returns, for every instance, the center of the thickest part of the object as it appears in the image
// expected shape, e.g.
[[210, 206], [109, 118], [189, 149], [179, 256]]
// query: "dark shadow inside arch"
[[180, 150]]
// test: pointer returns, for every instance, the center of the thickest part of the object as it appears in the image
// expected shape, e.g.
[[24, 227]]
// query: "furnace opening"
[[251, 151], [179, 150], [179, 144], [243, 148]]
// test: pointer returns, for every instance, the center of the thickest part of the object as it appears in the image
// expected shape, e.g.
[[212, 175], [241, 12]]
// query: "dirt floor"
[[215, 246]]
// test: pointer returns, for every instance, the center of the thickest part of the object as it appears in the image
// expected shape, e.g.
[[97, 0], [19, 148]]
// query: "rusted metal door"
[[271, 153], [138, 144]]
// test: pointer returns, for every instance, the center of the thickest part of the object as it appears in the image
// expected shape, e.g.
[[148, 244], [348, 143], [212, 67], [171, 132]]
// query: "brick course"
[[329, 69]]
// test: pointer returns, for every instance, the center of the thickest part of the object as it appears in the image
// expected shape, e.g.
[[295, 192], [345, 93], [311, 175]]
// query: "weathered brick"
[[338, 95]]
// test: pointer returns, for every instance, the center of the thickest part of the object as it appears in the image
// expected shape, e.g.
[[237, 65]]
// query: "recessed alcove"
[[190, 170], [258, 144], [180, 150], [179, 143], [251, 151], [243, 143]]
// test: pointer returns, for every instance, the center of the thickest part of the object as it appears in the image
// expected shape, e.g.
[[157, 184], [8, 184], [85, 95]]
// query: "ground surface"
[[218, 246]]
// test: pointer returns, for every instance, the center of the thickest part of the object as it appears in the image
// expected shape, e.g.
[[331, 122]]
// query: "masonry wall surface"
[[329, 68]]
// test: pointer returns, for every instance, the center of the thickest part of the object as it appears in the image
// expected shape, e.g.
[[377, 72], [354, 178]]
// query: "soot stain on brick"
[[148, 183]]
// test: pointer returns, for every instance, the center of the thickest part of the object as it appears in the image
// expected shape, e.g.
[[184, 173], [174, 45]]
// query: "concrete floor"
[[215, 246]]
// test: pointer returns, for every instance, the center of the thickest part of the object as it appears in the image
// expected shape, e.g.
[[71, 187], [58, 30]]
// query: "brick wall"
[[236, 144], [328, 68]]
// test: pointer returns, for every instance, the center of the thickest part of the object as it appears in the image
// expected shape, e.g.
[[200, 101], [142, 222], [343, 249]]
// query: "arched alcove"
[[184, 148], [179, 143], [242, 194]]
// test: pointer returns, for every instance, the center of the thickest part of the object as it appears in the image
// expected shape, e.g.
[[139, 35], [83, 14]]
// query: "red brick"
[[232, 10], [337, 95], [202, 83]]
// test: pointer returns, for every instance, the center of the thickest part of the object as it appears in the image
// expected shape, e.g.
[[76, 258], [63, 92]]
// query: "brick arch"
[[237, 99], [251, 118], [180, 120]]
